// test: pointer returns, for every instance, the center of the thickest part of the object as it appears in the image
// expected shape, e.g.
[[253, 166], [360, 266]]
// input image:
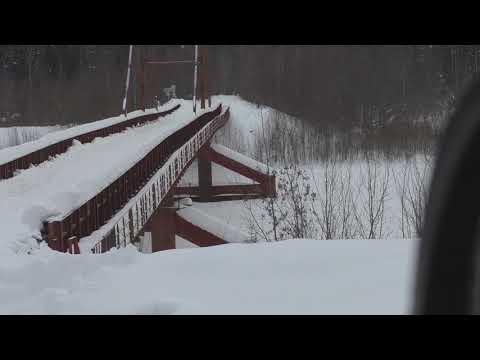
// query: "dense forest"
[[330, 86]]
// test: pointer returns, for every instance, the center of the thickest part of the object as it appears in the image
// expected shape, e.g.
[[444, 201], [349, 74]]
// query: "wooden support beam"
[[204, 175], [161, 226], [234, 197], [73, 247], [163, 229], [241, 189], [195, 234], [206, 192], [267, 182]]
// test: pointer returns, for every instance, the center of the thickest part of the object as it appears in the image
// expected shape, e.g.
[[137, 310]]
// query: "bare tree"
[[327, 193], [347, 204]]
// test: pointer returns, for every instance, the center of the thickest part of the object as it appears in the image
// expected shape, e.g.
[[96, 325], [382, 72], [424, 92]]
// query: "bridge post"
[[204, 175], [162, 226]]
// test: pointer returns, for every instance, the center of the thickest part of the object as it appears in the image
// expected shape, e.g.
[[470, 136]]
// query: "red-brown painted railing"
[[97, 211], [7, 170]]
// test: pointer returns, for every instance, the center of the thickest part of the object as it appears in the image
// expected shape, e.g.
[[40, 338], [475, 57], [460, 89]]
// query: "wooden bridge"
[[141, 200]]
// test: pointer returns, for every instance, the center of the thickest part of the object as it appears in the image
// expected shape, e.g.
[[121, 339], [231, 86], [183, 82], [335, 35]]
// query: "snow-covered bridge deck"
[[57, 187], [22, 156]]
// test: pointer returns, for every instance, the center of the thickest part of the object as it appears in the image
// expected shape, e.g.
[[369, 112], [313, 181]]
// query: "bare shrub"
[[373, 194], [412, 184], [326, 196], [306, 206], [338, 205], [294, 195], [347, 204], [288, 215], [400, 179]]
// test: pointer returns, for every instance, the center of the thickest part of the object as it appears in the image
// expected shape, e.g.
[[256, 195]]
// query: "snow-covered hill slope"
[[249, 123], [291, 277], [13, 136]]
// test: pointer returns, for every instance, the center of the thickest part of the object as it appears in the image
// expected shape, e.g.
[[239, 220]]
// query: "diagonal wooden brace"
[[266, 181], [195, 234], [208, 192]]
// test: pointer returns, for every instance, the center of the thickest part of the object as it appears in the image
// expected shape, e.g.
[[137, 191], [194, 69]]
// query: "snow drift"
[[291, 277]]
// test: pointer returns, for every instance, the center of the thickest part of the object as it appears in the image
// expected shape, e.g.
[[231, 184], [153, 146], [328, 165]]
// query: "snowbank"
[[291, 277], [13, 136]]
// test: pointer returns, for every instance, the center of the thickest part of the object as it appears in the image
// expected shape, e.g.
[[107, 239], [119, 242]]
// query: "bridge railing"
[[8, 169], [128, 224], [130, 199]]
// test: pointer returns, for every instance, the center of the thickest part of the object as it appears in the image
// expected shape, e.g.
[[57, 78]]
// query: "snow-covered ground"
[[291, 277], [247, 122]]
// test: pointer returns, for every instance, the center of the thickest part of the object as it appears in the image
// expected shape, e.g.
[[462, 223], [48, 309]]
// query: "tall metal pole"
[[124, 108], [195, 76], [201, 77], [134, 80], [205, 76], [142, 79], [207, 80]]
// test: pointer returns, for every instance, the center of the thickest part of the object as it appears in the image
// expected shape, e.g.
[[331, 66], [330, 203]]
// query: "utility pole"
[[195, 76], [204, 78], [124, 108], [142, 78]]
